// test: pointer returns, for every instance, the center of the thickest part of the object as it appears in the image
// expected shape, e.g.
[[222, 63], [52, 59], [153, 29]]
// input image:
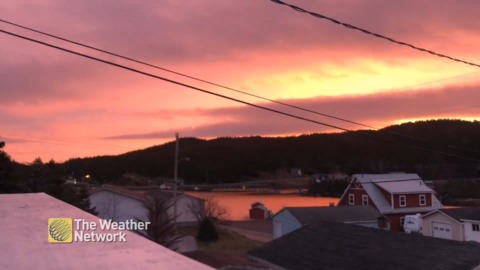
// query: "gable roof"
[[120, 190], [463, 213], [343, 213], [394, 183], [344, 246], [139, 193]]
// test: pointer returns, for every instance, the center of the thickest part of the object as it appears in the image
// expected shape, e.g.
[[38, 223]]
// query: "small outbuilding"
[[461, 224], [259, 211]]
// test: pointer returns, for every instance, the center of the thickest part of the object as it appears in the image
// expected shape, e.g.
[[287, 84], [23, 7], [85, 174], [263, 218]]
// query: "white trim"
[[345, 192], [365, 200], [411, 192], [470, 220], [400, 200], [351, 197], [420, 199], [477, 229], [442, 213]]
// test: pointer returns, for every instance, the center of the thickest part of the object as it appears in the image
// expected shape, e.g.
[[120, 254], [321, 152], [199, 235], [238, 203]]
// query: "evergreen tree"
[[207, 231], [6, 165]]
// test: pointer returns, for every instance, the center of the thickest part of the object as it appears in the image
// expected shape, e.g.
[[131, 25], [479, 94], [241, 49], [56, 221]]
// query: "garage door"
[[442, 230]]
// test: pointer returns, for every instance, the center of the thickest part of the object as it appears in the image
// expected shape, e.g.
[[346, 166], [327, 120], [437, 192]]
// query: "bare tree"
[[208, 209], [162, 225], [206, 214]]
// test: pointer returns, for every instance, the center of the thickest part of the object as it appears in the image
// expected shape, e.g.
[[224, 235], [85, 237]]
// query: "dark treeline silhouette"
[[238, 159], [41, 177]]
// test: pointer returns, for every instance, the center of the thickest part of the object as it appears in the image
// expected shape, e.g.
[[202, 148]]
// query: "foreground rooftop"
[[344, 246], [24, 243]]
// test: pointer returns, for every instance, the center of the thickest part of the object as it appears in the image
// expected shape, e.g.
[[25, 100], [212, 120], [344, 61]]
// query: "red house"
[[259, 211], [394, 195]]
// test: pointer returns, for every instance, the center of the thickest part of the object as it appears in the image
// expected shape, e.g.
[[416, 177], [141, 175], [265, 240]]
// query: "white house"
[[292, 218], [120, 204], [461, 224]]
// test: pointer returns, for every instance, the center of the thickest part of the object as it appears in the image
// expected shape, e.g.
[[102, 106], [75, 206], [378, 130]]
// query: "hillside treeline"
[[438, 149]]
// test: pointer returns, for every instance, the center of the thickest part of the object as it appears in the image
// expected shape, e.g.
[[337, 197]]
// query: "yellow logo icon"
[[60, 230]]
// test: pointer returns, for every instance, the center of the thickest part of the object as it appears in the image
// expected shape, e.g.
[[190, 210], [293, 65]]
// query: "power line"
[[227, 97], [180, 74], [350, 26], [216, 84], [390, 181]]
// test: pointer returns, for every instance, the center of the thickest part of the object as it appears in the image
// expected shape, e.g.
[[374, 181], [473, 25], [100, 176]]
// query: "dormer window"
[[422, 198], [351, 199], [402, 199], [364, 199]]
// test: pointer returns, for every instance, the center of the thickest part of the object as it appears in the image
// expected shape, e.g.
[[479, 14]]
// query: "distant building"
[[259, 211], [119, 204], [24, 242], [393, 195], [346, 246], [461, 224]]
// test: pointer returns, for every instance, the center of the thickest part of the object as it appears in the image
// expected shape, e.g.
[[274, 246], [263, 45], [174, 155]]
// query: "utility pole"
[[175, 176]]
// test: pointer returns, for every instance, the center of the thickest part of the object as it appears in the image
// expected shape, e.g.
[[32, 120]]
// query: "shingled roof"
[[139, 193], [343, 246], [343, 213], [462, 213]]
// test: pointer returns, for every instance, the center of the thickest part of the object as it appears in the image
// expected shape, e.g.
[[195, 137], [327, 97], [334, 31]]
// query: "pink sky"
[[58, 106]]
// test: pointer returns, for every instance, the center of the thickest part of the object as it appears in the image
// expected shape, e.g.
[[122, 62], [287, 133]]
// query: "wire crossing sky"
[[353, 27], [384, 140], [297, 66], [206, 81]]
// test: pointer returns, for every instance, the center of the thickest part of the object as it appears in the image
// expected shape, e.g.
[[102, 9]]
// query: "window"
[[423, 199], [476, 227], [364, 199], [402, 200], [351, 199], [402, 220]]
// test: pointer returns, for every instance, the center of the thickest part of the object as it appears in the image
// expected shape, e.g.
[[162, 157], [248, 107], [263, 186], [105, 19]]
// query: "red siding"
[[413, 200], [395, 220], [257, 213], [358, 197]]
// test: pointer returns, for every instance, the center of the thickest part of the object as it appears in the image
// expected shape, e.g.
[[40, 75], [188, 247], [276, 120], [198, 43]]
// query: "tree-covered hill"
[[454, 145]]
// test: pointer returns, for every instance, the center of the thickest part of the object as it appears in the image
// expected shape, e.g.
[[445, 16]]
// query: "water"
[[237, 204]]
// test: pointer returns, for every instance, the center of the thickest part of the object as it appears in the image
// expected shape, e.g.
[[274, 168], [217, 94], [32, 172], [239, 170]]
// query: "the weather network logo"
[[60, 230]]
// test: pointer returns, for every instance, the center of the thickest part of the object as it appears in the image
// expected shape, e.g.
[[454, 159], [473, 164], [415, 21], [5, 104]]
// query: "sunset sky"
[[55, 105]]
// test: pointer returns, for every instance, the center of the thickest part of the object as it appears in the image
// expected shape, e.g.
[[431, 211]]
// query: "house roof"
[[24, 242], [344, 246], [120, 190], [139, 193], [463, 213], [394, 183], [316, 215]]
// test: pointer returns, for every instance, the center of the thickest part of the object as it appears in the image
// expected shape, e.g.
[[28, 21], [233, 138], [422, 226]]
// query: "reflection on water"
[[238, 203]]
